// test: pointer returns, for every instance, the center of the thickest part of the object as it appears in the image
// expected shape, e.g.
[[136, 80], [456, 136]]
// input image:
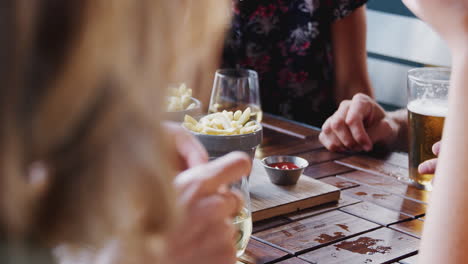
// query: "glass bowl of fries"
[[224, 132], [180, 102]]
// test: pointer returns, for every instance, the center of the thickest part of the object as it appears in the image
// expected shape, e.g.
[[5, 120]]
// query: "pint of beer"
[[427, 108]]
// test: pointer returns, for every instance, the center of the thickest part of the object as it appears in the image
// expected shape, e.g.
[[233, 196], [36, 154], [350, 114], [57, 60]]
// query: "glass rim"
[[412, 77], [243, 71]]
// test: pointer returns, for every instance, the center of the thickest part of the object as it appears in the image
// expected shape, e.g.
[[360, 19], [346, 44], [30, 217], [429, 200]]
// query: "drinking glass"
[[243, 221], [427, 109], [236, 89]]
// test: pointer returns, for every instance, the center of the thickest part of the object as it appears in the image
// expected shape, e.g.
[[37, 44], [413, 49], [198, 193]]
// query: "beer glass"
[[236, 89], [427, 108]]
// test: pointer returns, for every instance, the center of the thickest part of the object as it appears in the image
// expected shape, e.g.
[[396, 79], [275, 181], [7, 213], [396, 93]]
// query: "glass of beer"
[[236, 89], [243, 221], [427, 108]]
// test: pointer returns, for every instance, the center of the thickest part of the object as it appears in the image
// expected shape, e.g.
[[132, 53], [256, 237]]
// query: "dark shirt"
[[288, 42]]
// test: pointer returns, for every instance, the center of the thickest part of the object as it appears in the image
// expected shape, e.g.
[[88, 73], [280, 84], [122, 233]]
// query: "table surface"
[[378, 219]]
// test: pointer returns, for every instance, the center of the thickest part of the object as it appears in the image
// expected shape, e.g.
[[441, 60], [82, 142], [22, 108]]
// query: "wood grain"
[[287, 127], [325, 169], [375, 213], [269, 223], [293, 261], [269, 200], [388, 184], [399, 159], [276, 143], [315, 231], [375, 166], [396, 158], [320, 156], [410, 260], [345, 200], [380, 246], [387, 200], [339, 183], [260, 253], [414, 227], [372, 178]]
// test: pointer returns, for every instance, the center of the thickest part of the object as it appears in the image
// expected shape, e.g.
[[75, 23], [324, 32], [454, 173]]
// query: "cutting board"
[[269, 200]]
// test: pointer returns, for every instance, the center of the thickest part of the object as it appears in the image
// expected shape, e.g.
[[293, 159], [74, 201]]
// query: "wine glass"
[[243, 221], [236, 89]]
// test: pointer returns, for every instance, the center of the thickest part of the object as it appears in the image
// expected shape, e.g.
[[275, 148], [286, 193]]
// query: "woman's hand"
[[448, 17], [205, 233], [189, 150], [360, 123]]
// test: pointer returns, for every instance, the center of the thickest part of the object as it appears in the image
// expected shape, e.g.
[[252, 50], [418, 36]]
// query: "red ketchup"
[[284, 165]]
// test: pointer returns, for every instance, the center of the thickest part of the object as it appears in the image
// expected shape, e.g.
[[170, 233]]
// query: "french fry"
[[247, 130], [191, 106], [245, 116], [237, 115], [191, 120], [228, 115], [250, 123], [180, 99], [192, 127], [223, 123]]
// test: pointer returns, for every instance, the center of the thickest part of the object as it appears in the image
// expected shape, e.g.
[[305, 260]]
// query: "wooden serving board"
[[269, 200]]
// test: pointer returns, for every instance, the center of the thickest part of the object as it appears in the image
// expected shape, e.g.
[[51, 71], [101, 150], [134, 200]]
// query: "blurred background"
[[396, 42]]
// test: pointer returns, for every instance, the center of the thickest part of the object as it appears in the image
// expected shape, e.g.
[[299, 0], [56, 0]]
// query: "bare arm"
[[445, 234], [350, 57]]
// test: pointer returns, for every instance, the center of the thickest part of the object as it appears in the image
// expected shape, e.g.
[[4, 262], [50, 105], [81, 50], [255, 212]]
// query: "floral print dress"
[[288, 42]]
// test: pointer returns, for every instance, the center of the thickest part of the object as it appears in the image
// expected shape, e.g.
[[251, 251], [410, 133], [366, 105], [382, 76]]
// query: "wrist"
[[398, 121]]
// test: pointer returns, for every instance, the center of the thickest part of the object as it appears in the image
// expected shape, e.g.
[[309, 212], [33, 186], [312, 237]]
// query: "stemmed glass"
[[243, 221], [236, 89]]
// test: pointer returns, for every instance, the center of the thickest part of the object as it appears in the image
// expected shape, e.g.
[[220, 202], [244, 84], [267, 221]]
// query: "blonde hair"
[[81, 101]]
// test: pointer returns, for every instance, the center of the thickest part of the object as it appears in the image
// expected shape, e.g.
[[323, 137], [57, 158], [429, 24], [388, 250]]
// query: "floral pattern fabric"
[[288, 42]]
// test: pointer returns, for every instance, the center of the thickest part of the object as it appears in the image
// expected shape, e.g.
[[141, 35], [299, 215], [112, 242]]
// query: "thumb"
[[436, 148], [428, 167]]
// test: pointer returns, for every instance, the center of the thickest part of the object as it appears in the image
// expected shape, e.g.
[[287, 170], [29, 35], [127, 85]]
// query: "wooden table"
[[378, 219]]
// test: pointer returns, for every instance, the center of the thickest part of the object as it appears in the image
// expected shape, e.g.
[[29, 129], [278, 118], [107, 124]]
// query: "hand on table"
[[205, 233], [429, 166], [357, 125], [190, 151]]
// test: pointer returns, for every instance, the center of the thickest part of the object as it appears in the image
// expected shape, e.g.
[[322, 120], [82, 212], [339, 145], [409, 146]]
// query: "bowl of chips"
[[180, 102], [224, 132]]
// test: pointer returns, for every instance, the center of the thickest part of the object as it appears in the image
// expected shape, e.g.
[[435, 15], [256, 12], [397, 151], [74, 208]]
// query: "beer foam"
[[429, 107]]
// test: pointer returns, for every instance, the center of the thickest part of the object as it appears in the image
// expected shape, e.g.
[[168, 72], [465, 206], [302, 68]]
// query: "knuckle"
[[367, 104], [360, 97], [337, 124], [386, 124], [217, 204], [344, 103], [322, 139], [326, 127], [351, 120]]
